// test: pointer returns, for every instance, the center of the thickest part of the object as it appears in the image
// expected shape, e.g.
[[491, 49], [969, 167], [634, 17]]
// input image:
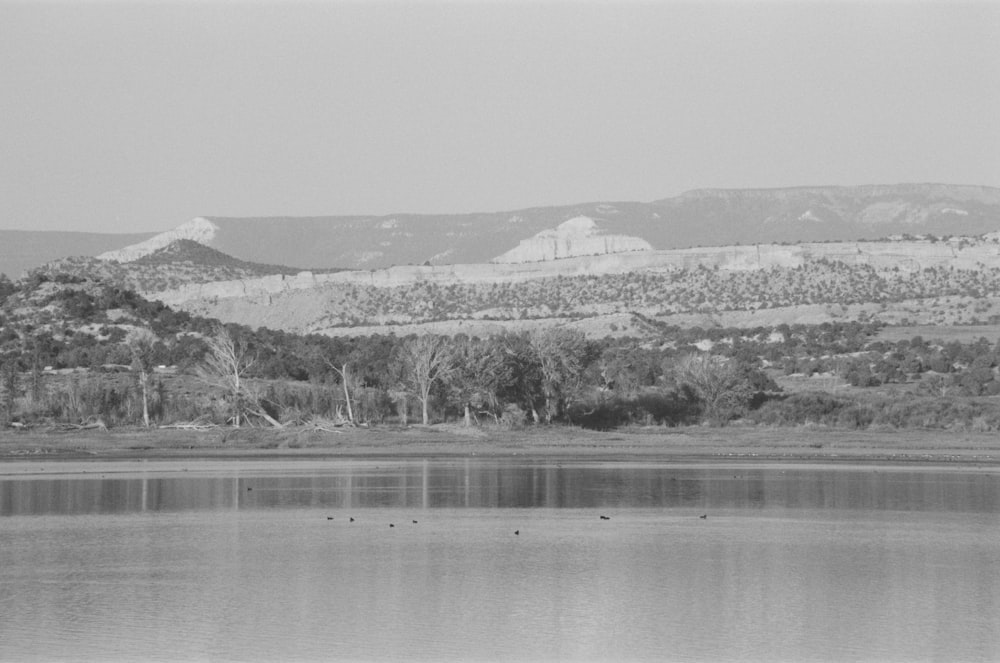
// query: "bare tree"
[[345, 379], [225, 367], [141, 343], [426, 361]]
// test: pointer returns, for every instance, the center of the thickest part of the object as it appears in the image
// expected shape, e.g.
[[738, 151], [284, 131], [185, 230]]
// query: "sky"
[[138, 116]]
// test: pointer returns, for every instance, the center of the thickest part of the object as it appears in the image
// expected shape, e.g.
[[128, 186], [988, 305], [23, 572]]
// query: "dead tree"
[[225, 367]]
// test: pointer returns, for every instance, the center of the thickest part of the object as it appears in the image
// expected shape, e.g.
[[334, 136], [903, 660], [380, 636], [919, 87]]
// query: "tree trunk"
[[347, 394], [143, 379], [237, 398]]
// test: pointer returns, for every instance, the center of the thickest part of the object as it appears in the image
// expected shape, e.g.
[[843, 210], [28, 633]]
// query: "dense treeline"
[[672, 377], [556, 375]]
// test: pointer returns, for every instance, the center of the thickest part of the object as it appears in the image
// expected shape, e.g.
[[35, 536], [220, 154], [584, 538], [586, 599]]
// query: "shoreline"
[[443, 441]]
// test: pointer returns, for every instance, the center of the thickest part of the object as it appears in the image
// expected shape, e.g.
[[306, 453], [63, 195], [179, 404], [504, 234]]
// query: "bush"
[[813, 407], [652, 406], [513, 417]]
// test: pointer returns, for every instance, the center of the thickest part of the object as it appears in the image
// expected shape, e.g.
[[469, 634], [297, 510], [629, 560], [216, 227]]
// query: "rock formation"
[[579, 236], [199, 230]]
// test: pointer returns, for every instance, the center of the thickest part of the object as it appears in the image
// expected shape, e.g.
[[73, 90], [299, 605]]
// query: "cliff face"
[[647, 282], [579, 236], [889, 256]]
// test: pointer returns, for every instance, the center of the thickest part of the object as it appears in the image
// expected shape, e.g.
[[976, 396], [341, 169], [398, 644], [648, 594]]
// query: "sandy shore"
[[664, 444]]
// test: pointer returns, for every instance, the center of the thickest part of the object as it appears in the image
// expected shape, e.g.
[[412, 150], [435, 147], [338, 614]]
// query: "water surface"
[[508, 559]]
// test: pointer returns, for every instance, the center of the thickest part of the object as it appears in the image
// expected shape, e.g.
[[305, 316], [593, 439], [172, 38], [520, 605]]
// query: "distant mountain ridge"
[[702, 217]]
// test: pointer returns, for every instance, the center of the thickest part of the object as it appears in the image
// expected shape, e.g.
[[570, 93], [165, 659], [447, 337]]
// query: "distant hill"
[[704, 217], [708, 217], [182, 262], [927, 280], [21, 250]]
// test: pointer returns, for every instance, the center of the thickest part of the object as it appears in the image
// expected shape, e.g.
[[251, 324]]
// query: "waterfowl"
[[517, 532], [704, 516]]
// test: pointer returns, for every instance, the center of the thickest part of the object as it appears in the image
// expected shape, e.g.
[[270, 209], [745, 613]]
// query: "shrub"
[[513, 417]]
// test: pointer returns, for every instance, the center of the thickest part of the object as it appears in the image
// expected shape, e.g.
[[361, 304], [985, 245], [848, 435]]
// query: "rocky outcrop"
[[580, 236], [199, 230]]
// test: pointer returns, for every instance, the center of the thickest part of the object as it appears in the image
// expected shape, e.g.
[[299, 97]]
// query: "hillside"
[[704, 217], [180, 263], [927, 281], [21, 250], [709, 217], [66, 362]]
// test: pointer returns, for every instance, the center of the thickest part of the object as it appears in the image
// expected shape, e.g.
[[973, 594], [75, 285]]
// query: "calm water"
[[157, 561]]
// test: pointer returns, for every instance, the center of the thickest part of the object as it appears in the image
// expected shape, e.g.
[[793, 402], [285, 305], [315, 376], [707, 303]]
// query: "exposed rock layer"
[[297, 303], [579, 236]]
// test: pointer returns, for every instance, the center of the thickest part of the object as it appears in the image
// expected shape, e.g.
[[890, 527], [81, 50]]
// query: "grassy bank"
[[690, 443]]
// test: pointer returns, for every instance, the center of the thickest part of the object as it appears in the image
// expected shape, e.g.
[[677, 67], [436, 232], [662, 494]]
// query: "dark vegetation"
[[65, 356]]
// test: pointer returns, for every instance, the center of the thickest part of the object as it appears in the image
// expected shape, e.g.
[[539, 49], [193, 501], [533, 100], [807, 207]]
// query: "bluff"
[[579, 236], [318, 302]]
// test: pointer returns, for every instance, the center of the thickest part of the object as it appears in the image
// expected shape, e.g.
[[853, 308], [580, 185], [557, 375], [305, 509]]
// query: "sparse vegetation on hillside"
[[699, 290], [181, 262]]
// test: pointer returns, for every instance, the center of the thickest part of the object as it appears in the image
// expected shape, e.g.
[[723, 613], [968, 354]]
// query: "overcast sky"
[[119, 117]]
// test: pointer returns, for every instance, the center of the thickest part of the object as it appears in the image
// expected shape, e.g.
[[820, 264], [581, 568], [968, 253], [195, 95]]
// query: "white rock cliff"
[[579, 236], [198, 229]]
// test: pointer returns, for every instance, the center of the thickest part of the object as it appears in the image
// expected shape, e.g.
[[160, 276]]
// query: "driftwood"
[[265, 416], [90, 424], [191, 425], [201, 423]]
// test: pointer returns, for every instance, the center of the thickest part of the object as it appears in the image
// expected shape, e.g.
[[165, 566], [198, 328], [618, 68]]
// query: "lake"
[[498, 559]]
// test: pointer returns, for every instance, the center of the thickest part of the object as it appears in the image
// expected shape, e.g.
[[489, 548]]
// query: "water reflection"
[[504, 484], [239, 562]]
